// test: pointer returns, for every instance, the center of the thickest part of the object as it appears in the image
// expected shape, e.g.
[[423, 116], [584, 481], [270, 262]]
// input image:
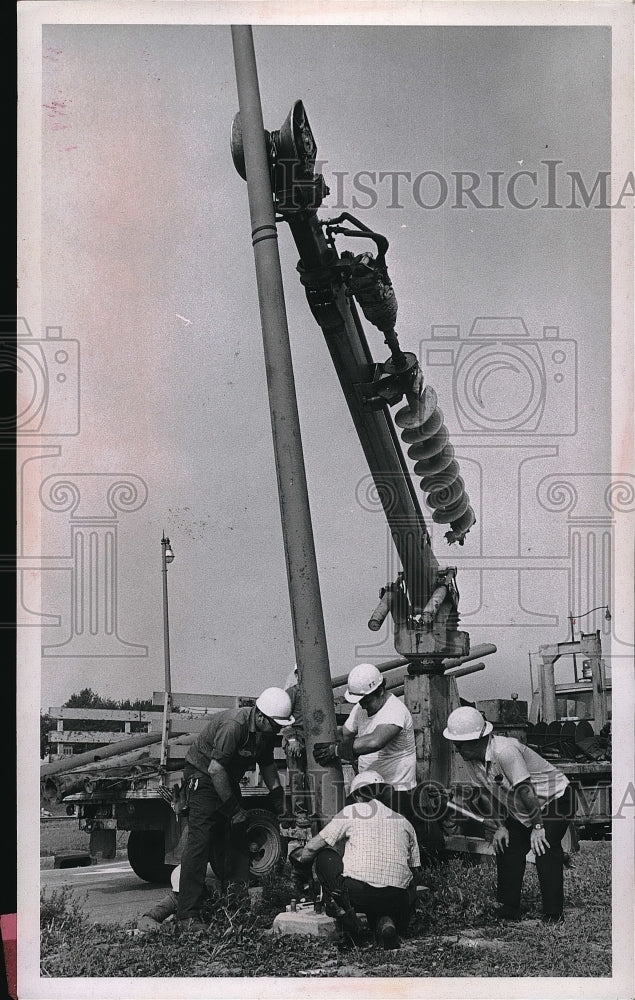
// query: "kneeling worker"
[[380, 867], [528, 804], [217, 823]]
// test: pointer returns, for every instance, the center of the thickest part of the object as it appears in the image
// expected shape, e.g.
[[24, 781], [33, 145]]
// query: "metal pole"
[[165, 544], [575, 662], [302, 575]]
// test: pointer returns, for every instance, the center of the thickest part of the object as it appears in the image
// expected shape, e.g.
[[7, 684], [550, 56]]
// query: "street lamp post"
[[167, 556], [573, 619]]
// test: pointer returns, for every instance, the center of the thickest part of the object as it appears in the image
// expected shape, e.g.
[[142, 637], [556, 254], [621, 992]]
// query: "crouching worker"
[[166, 908], [378, 872], [527, 803]]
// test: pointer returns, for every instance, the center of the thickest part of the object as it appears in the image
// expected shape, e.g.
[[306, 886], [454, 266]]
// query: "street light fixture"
[[167, 556]]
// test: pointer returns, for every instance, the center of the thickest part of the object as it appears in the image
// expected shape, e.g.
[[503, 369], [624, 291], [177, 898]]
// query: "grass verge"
[[452, 934]]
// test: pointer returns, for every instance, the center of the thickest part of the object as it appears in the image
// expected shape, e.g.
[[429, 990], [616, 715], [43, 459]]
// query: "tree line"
[[87, 698]]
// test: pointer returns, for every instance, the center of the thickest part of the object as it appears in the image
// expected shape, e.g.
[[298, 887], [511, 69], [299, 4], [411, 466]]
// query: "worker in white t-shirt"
[[378, 734]]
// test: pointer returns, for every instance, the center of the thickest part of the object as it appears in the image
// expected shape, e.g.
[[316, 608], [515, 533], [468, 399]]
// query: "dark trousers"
[[511, 863], [388, 901], [209, 838]]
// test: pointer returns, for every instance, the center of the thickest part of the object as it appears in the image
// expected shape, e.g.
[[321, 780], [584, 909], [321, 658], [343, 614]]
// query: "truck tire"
[[146, 854], [267, 847]]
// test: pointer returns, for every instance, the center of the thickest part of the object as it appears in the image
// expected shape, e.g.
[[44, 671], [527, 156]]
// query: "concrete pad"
[[306, 922]]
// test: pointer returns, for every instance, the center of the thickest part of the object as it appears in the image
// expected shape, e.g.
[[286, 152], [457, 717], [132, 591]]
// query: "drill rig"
[[423, 599]]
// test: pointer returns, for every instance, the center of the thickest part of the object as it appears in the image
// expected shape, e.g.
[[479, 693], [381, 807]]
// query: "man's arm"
[[310, 849], [270, 775], [269, 771], [222, 784], [531, 805], [380, 737]]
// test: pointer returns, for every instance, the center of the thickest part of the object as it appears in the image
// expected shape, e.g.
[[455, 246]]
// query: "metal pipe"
[[302, 574], [481, 649], [166, 557], [437, 598], [380, 613], [470, 668], [103, 753], [397, 661]]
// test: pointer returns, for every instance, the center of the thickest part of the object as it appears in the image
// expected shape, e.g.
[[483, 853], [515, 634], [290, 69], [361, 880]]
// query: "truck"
[[143, 793], [570, 724]]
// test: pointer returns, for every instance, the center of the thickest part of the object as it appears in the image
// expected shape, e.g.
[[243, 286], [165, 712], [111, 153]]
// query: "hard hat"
[[175, 878], [362, 680], [365, 778], [276, 704], [466, 723]]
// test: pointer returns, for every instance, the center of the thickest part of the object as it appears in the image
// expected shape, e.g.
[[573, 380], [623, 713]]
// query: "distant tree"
[[87, 698]]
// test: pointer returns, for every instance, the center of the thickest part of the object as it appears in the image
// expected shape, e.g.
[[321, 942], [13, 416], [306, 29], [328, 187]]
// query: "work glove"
[[326, 753], [292, 746], [239, 820], [277, 800]]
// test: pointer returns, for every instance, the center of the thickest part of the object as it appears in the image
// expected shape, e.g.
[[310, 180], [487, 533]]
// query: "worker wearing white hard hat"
[[527, 804], [231, 742], [379, 732], [167, 906], [380, 866]]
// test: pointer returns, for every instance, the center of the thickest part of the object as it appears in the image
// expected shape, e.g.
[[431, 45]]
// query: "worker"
[[378, 734], [231, 742], [527, 804], [380, 867], [167, 906]]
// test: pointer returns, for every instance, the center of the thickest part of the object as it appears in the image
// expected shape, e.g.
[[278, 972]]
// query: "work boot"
[[338, 905], [164, 908], [386, 933]]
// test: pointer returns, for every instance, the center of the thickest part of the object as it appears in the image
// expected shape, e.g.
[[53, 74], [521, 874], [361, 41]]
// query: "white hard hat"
[[362, 680], [466, 723], [175, 878], [276, 704], [365, 778]]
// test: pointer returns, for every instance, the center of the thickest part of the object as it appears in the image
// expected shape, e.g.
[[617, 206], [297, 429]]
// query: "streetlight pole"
[[302, 574], [574, 618], [167, 556]]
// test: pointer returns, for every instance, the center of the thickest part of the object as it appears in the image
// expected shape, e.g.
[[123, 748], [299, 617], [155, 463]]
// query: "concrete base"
[[305, 922]]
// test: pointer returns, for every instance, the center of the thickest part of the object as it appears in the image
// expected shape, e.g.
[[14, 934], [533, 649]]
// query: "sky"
[[147, 269]]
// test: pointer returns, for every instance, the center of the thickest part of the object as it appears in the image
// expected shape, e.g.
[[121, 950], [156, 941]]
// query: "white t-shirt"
[[397, 761], [508, 762]]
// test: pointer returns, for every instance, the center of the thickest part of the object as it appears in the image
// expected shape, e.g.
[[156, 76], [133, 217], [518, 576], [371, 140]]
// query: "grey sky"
[[147, 262]]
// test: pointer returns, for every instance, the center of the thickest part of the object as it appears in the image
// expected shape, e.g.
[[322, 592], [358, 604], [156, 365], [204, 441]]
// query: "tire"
[[146, 854], [267, 847]]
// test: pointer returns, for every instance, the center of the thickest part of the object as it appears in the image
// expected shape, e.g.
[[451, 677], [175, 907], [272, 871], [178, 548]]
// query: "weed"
[[451, 935]]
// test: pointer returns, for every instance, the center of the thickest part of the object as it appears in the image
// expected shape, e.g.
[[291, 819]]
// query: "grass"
[[451, 935], [63, 834]]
